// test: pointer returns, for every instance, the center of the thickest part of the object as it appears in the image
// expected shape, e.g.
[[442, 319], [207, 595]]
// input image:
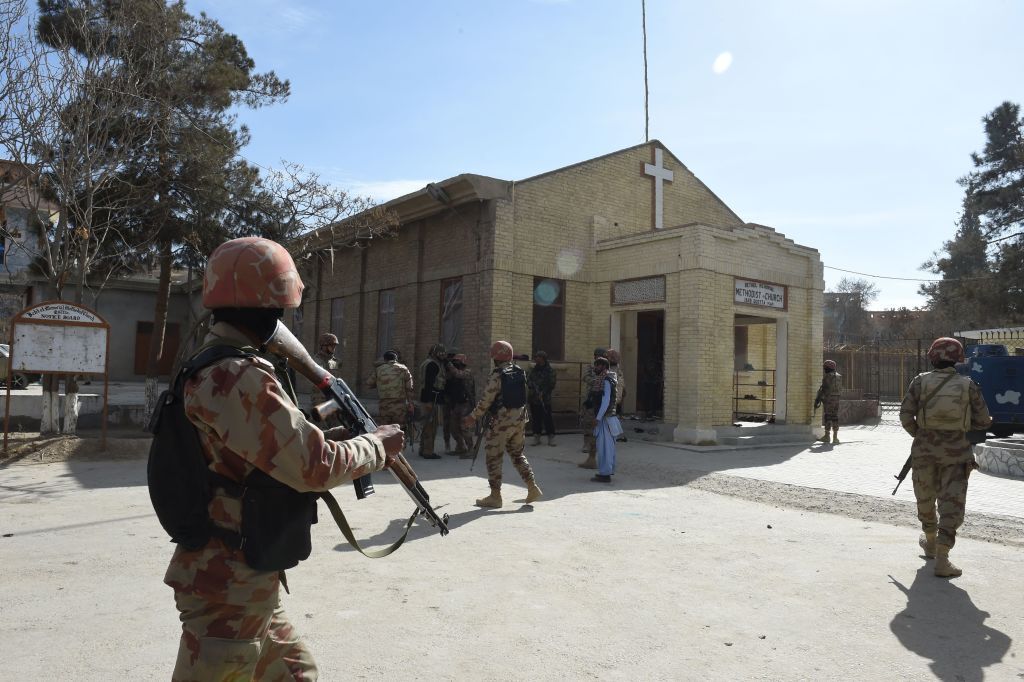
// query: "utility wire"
[[912, 279]]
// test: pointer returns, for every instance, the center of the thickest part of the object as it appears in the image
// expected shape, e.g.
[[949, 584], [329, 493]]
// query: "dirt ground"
[[32, 447]]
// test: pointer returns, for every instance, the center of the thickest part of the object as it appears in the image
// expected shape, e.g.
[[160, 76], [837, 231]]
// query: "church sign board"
[[57, 337], [763, 294]]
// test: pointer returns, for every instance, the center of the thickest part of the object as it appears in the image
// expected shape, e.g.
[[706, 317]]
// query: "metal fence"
[[878, 367]]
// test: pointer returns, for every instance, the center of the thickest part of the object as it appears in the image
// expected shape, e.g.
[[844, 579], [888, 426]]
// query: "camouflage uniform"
[[621, 383], [828, 395], [942, 460], [507, 432], [460, 394], [541, 381], [432, 397], [327, 361], [233, 626], [393, 382]]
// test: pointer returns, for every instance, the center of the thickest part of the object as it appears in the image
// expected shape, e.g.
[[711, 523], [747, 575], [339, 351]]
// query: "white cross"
[[659, 173]]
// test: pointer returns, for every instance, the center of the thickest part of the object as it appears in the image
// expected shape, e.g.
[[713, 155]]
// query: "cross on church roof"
[[660, 174]]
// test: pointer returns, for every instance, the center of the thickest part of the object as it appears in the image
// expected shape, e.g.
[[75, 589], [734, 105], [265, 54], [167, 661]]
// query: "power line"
[[912, 279]]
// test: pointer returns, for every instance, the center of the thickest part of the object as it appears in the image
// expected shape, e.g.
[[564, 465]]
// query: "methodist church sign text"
[[752, 292]]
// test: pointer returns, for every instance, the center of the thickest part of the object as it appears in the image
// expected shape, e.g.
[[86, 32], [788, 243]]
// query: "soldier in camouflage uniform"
[[432, 378], [459, 396], [541, 381], [393, 382], [325, 355], [506, 432], [233, 625], [587, 415], [829, 393], [938, 409]]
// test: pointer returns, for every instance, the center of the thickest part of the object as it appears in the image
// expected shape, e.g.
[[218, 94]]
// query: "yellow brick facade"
[[590, 225]]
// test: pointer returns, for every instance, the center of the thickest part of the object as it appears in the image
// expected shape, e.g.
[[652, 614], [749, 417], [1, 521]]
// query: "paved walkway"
[[864, 463]]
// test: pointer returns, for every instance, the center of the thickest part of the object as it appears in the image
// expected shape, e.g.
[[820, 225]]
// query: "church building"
[[716, 319]]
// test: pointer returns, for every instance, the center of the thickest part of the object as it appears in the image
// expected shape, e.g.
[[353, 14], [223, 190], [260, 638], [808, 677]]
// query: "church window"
[[385, 321], [337, 317], [549, 317], [451, 312]]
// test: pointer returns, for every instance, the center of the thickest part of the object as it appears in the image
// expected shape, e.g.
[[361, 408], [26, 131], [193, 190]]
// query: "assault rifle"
[[485, 422], [343, 402], [903, 473]]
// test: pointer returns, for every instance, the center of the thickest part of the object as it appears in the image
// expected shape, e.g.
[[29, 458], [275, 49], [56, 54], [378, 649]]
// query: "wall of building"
[[413, 263]]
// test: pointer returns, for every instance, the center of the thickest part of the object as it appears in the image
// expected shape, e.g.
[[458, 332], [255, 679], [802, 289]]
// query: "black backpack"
[[513, 387], [177, 472]]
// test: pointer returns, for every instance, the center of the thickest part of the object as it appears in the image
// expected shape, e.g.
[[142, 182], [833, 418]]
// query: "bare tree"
[[68, 128]]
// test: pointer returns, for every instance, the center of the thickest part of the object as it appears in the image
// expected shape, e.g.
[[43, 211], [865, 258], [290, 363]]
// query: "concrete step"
[[767, 440]]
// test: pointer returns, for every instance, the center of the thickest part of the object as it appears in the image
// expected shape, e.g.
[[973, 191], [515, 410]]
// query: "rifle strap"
[[339, 518]]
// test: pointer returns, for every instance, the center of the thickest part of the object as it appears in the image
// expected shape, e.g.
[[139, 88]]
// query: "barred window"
[[385, 321], [451, 312], [338, 317]]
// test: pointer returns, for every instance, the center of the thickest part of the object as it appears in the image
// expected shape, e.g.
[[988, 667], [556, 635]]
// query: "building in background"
[[716, 318]]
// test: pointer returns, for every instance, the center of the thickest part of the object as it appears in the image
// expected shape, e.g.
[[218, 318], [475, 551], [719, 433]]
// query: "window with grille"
[[338, 317], [451, 312], [385, 321]]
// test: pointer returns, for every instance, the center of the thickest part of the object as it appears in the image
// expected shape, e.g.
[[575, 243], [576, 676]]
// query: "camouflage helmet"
[[251, 272], [945, 349], [613, 356], [600, 352], [328, 338], [830, 364], [437, 349], [501, 351]]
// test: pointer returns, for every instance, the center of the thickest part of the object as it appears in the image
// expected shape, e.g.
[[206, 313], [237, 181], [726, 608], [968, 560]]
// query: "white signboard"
[[59, 337], [751, 292]]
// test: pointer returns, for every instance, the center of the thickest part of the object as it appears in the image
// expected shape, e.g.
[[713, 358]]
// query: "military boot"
[[589, 463], [536, 439], [533, 492], [835, 437], [927, 543], [551, 440], [943, 567], [492, 501]]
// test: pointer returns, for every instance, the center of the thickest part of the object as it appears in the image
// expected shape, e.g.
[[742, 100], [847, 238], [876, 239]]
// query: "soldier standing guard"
[[325, 354], [393, 382], [541, 381], [432, 378], [939, 408], [459, 396], [829, 393], [233, 626], [505, 398], [587, 415]]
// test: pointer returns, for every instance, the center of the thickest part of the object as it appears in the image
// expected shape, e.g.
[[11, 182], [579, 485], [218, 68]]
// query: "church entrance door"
[[650, 363]]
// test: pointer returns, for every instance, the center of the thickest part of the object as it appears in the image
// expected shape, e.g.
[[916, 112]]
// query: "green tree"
[[995, 190], [189, 168]]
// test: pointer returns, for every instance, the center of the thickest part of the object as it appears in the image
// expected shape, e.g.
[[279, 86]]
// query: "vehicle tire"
[[1002, 431]]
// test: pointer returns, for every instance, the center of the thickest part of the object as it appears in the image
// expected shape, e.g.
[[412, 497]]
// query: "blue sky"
[[842, 124]]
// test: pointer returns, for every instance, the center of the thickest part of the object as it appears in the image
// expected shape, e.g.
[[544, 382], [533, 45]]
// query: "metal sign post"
[[57, 337]]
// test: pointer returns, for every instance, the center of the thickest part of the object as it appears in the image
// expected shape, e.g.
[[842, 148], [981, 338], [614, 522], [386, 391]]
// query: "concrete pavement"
[[651, 578]]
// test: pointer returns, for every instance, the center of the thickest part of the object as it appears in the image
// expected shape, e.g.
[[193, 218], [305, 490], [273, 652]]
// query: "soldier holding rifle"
[[233, 626], [940, 407]]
